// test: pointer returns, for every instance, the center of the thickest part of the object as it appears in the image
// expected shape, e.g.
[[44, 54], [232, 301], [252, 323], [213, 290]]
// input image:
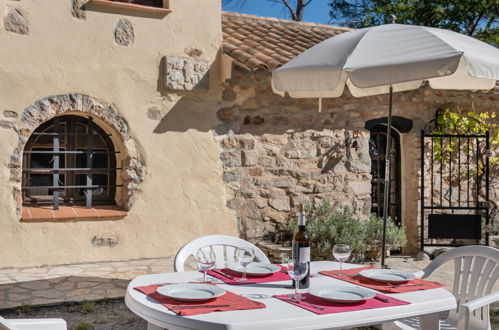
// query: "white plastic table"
[[425, 304]]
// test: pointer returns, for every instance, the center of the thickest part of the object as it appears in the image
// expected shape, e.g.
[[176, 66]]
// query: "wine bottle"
[[301, 246]]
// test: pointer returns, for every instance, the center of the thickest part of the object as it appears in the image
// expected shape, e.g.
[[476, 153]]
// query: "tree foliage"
[[454, 120], [476, 18], [294, 8]]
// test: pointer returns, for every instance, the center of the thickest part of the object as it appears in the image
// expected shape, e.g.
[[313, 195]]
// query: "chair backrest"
[[4, 325], [224, 247], [476, 269]]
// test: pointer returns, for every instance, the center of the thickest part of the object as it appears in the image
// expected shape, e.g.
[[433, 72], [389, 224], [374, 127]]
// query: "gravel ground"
[[100, 315]]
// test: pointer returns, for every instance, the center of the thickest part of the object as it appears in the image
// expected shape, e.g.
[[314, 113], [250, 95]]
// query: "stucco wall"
[[182, 195]]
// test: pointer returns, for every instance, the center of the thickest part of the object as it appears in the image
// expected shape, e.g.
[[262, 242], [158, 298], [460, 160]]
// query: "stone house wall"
[[142, 76], [278, 152]]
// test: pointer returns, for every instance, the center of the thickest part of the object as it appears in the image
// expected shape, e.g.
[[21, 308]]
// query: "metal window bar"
[[55, 165], [67, 134], [68, 152], [62, 187], [67, 169], [90, 146]]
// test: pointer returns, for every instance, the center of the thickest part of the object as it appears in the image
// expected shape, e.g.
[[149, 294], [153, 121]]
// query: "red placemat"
[[352, 276], [275, 277], [234, 301], [331, 307]]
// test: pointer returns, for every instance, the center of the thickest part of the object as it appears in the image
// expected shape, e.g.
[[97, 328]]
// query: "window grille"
[[69, 160]]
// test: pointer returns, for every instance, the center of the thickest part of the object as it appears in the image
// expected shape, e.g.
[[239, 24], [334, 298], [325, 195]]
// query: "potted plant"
[[395, 236], [328, 226]]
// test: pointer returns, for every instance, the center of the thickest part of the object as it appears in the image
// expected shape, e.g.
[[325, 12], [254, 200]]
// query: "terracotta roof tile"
[[240, 55], [228, 48], [263, 42]]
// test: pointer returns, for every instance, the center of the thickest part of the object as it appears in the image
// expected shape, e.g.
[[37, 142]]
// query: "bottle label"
[[302, 219], [305, 254]]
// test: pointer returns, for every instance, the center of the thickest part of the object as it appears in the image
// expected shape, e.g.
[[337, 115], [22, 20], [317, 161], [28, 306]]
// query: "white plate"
[[191, 291], [387, 275], [257, 269], [341, 294]]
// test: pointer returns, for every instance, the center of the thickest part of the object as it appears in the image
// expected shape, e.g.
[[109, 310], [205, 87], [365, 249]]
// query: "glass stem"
[[341, 268], [204, 276], [244, 274], [296, 289]]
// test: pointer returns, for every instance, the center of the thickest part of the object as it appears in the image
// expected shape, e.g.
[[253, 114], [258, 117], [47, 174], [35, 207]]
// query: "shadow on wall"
[[190, 112], [260, 113], [195, 104]]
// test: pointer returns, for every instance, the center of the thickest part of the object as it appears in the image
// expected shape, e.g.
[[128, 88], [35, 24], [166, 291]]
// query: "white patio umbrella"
[[385, 59]]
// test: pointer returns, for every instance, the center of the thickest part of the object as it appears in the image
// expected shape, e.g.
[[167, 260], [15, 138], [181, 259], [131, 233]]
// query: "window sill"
[[68, 213], [130, 6]]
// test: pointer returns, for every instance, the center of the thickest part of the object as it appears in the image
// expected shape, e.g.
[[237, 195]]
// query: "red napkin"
[[274, 277], [379, 286], [331, 307], [234, 301]]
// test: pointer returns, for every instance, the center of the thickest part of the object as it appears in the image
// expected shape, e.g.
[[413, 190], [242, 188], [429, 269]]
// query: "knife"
[[223, 274], [196, 306], [382, 299]]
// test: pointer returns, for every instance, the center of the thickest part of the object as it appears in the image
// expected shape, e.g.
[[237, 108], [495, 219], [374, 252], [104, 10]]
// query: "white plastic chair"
[[32, 324], [476, 272], [224, 247]]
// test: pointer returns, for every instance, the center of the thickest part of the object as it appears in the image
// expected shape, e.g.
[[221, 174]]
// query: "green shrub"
[[87, 306], [327, 226], [26, 309], [395, 236]]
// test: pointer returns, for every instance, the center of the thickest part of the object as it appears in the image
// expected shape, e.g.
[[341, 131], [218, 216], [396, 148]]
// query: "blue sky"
[[317, 11]]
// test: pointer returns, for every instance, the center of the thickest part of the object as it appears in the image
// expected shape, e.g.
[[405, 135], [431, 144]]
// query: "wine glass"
[[205, 257], [297, 270], [341, 252], [244, 257]]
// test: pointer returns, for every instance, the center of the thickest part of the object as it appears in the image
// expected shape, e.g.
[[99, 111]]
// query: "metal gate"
[[454, 202]]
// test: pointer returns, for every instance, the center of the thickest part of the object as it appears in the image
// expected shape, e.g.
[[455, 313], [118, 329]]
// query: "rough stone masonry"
[[278, 152]]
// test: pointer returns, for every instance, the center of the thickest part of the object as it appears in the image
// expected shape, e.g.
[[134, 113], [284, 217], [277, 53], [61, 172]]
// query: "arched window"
[[69, 160]]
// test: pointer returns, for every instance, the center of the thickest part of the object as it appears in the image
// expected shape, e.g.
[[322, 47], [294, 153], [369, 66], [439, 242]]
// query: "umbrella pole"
[[386, 192]]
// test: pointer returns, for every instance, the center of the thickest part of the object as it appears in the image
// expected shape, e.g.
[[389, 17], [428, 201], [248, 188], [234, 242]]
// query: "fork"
[[300, 302], [403, 285]]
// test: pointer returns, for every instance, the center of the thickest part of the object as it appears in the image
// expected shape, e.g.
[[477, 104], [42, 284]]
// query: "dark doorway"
[[377, 151]]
